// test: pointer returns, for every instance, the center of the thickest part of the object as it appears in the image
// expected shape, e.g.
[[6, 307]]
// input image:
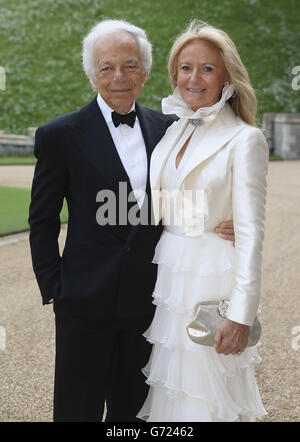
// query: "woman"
[[211, 165]]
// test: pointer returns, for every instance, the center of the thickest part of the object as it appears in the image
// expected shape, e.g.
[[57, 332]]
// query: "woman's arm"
[[250, 166]]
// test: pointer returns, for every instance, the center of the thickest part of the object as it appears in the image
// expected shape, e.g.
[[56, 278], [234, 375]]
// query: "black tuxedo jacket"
[[104, 272]]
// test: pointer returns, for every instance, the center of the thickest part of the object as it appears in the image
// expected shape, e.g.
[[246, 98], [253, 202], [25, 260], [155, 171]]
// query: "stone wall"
[[283, 134], [281, 130], [17, 144]]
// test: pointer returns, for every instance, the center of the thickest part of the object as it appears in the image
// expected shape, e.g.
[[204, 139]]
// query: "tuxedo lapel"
[[151, 130], [92, 136], [146, 131], [151, 134], [90, 133]]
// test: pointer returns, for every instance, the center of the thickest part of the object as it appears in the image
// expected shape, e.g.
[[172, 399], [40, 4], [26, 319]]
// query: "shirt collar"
[[106, 110]]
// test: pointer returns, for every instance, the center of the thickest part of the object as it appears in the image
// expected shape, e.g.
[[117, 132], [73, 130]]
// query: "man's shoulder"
[[69, 119], [158, 116]]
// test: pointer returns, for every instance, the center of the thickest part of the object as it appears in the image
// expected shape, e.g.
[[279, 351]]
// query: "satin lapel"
[[162, 152], [93, 137], [146, 126], [221, 131]]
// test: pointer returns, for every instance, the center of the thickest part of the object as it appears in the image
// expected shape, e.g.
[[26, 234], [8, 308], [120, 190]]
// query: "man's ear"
[[145, 78]]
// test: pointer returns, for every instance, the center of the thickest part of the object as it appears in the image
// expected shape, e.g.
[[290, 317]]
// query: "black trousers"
[[97, 362]]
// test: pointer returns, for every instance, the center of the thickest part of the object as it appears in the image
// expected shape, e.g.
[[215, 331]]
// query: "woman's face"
[[201, 74]]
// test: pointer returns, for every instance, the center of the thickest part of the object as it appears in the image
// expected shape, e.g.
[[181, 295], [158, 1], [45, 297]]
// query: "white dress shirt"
[[131, 148]]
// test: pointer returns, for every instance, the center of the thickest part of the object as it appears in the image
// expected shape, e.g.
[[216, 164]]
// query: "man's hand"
[[226, 231], [231, 337]]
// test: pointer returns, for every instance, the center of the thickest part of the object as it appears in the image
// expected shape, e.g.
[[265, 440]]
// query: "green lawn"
[[40, 48], [275, 158], [10, 159], [14, 204]]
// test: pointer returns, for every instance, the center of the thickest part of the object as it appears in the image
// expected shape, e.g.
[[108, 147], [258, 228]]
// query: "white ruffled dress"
[[190, 382]]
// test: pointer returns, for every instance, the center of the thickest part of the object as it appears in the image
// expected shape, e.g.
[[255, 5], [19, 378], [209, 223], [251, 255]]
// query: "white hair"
[[105, 28]]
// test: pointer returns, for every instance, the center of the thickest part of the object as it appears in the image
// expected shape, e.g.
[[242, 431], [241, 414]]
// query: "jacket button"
[[127, 248]]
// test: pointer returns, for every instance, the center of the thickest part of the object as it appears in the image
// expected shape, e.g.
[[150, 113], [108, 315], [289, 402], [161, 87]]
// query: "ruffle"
[[174, 104], [227, 365], [201, 385], [181, 291], [168, 330], [188, 381], [160, 407], [205, 254]]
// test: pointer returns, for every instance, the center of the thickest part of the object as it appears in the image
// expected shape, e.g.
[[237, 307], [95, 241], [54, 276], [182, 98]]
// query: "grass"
[[11, 159], [275, 158], [40, 49], [14, 206]]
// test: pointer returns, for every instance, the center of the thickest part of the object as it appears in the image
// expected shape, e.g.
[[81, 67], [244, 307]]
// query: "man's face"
[[119, 71]]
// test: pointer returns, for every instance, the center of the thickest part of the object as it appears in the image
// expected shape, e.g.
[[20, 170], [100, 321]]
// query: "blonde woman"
[[215, 160]]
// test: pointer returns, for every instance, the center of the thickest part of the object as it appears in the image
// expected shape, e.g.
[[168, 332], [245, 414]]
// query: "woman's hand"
[[231, 337], [226, 230]]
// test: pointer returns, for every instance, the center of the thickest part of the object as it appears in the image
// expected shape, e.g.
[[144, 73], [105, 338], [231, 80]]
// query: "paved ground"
[[16, 176], [26, 367]]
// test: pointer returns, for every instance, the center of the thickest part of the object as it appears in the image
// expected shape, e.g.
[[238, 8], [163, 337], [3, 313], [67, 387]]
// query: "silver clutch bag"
[[208, 316]]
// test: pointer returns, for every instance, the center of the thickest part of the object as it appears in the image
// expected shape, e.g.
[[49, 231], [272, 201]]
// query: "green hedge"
[[41, 50]]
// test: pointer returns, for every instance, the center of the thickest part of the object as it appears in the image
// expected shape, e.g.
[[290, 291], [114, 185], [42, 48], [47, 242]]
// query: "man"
[[102, 284]]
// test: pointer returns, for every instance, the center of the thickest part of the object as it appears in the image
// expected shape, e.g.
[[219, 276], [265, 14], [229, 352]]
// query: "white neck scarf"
[[175, 104]]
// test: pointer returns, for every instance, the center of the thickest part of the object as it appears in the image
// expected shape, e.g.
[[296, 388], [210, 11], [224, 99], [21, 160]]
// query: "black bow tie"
[[123, 119]]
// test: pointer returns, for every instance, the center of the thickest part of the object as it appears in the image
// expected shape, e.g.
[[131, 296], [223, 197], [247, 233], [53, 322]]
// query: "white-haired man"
[[102, 284]]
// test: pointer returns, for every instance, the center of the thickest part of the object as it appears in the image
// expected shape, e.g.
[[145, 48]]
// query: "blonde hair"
[[244, 102]]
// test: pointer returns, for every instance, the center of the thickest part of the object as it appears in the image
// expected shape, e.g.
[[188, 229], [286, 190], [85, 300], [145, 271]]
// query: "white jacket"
[[230, 166]]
